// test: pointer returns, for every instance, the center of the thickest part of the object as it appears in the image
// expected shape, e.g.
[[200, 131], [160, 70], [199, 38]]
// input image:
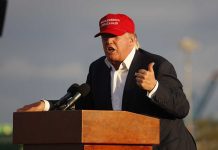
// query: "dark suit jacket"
[[169, 103]]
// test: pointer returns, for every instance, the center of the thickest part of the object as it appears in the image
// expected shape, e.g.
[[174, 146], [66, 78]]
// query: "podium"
[[85, 130]]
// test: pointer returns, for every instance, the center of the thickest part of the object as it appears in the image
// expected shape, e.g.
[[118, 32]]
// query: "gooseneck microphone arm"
[[72, 101]]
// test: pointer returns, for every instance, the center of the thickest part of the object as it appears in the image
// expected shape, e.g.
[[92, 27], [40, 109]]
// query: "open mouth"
[[110, 49]]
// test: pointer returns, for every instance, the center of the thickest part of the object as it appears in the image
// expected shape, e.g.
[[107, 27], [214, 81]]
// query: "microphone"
[[83, 90], [70, 93]]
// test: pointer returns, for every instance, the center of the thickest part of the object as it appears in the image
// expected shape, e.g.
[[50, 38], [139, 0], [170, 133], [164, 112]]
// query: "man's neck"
[[116, 64]]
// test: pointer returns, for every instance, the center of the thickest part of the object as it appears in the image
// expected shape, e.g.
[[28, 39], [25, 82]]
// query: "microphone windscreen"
[[84, 89], [73, 88]]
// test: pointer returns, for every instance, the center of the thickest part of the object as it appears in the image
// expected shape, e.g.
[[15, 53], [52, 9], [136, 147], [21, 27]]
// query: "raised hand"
[[146, 78]]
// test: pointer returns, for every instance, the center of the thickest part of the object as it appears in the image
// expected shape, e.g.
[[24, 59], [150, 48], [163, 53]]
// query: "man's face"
[[117, 48]]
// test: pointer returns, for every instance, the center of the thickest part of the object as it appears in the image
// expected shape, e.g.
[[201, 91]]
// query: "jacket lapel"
[[104, 88], [140, 61]]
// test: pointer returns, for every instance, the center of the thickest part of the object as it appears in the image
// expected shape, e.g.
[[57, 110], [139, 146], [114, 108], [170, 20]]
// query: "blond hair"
[[137, 44]]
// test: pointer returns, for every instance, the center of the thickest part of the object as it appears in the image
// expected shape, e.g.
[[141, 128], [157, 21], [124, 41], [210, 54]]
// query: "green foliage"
[[6, 129]]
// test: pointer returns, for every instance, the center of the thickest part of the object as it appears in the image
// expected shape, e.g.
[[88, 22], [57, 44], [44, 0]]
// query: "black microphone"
[[83, 90], [70, 93]]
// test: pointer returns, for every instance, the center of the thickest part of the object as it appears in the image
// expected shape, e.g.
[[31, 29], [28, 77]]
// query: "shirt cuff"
[[150, 94], [47, 105]]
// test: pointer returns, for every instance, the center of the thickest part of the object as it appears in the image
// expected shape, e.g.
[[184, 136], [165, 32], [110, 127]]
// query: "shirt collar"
[[126, 63]]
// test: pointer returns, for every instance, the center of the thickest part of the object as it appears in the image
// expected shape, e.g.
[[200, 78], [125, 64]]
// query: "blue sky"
[[48, 44]]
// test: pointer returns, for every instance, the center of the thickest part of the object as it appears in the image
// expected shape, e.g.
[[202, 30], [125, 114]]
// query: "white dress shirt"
[[118, 80]]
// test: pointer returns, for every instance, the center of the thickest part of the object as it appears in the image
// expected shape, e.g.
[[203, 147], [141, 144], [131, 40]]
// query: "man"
[[131, 79]]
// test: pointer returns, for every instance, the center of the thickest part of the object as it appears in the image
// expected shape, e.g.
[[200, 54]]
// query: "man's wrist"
[[47, 105], [152, 92]]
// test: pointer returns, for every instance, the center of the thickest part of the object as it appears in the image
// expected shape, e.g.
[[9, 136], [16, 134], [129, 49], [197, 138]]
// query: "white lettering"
[[108, 23], [110, 20]]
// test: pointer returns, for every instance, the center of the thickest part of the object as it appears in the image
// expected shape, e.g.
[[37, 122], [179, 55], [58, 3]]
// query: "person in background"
[[131, 79]]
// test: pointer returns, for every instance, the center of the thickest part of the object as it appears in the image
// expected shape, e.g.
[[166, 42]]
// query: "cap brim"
[[98, 34], [111, 31]]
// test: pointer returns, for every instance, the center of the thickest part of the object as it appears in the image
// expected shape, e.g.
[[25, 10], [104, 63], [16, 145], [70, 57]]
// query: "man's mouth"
[[110, 49]]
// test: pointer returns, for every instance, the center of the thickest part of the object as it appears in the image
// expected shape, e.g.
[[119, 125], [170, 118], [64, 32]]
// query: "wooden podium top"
[[85, 126]]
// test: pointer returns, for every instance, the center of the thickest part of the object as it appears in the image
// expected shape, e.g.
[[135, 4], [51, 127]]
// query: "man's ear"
[[131, 38]]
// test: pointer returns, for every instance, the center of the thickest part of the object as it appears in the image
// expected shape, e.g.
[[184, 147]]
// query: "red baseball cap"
[[116, 24]]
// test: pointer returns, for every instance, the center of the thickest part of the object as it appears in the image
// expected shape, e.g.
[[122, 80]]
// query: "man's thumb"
[[150, 67]]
